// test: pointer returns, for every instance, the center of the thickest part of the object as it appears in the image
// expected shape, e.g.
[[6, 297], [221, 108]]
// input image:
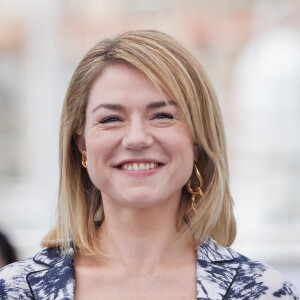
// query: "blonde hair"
[[177, 72]]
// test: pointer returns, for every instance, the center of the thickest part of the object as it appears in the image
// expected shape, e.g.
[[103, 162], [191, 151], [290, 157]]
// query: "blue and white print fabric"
[[222, 273], [48, 275]]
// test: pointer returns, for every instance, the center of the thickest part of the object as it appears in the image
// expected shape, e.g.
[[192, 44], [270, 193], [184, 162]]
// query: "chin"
[[141, 200]]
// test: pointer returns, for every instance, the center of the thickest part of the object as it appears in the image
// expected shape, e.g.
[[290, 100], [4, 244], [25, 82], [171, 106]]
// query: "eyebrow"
[[119, 107], [160, 104], [115, 107]]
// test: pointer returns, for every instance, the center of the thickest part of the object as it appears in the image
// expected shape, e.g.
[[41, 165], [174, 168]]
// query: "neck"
[[143, 239]]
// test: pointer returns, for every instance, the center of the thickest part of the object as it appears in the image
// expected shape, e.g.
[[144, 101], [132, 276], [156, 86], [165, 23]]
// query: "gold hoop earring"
[[195, 190], [84, 160]]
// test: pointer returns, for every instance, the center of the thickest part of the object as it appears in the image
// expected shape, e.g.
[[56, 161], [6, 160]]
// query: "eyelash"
[[110, 119], [160, 115], [163, 115]]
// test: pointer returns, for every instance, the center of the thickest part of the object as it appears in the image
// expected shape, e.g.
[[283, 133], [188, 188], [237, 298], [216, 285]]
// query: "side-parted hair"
[[175, 71]]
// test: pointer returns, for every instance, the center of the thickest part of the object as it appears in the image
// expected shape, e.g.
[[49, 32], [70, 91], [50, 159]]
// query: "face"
[[139, 148]]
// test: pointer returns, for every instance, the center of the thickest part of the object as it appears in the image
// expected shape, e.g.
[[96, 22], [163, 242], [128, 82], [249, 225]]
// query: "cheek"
[[98, 142], [186, 151], [99, 149], [179, 144], [181, 141], [98, 154]]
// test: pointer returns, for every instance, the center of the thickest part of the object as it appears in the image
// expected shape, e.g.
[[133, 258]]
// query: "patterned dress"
[[222, 273]]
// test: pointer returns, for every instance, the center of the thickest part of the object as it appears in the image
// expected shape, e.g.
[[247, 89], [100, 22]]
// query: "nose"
[[137, 136]]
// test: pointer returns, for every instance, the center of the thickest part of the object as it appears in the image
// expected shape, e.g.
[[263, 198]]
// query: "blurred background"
[[251, 51]]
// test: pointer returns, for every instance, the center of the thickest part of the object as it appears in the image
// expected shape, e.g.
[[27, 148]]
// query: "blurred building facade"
[[250, 50]]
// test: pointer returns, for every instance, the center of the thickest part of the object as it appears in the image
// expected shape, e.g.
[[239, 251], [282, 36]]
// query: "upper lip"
[[137, 160]]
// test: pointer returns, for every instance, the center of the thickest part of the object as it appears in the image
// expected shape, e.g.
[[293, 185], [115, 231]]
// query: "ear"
[[79, 141], [196, 152]]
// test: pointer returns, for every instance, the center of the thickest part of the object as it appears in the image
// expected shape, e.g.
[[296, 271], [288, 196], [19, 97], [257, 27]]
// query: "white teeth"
[[139, 166]]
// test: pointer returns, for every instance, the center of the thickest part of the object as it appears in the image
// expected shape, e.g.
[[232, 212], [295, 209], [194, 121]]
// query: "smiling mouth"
[[139, 166]]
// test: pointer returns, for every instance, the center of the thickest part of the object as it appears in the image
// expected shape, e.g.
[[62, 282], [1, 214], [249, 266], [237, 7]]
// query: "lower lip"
[[141, 173]]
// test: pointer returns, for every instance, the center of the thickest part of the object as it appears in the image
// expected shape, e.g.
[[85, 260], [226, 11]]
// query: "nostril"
[[137, 141]]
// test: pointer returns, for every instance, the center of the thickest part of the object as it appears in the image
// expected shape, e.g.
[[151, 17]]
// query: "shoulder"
[[14, 277], [246, 278], [13, 284], [257, 278]]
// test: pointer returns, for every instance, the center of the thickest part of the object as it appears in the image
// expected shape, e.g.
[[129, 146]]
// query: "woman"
[[145, 210]]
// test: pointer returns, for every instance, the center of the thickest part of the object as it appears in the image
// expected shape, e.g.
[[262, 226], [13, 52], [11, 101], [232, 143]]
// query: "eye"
[[163, 116], [110, 120]]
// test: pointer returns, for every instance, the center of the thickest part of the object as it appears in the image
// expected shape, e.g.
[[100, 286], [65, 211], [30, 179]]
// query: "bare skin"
[[144, 263], [140, 154]]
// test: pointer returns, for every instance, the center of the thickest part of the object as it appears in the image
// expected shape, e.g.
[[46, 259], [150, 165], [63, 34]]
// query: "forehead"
[[124, 84]]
